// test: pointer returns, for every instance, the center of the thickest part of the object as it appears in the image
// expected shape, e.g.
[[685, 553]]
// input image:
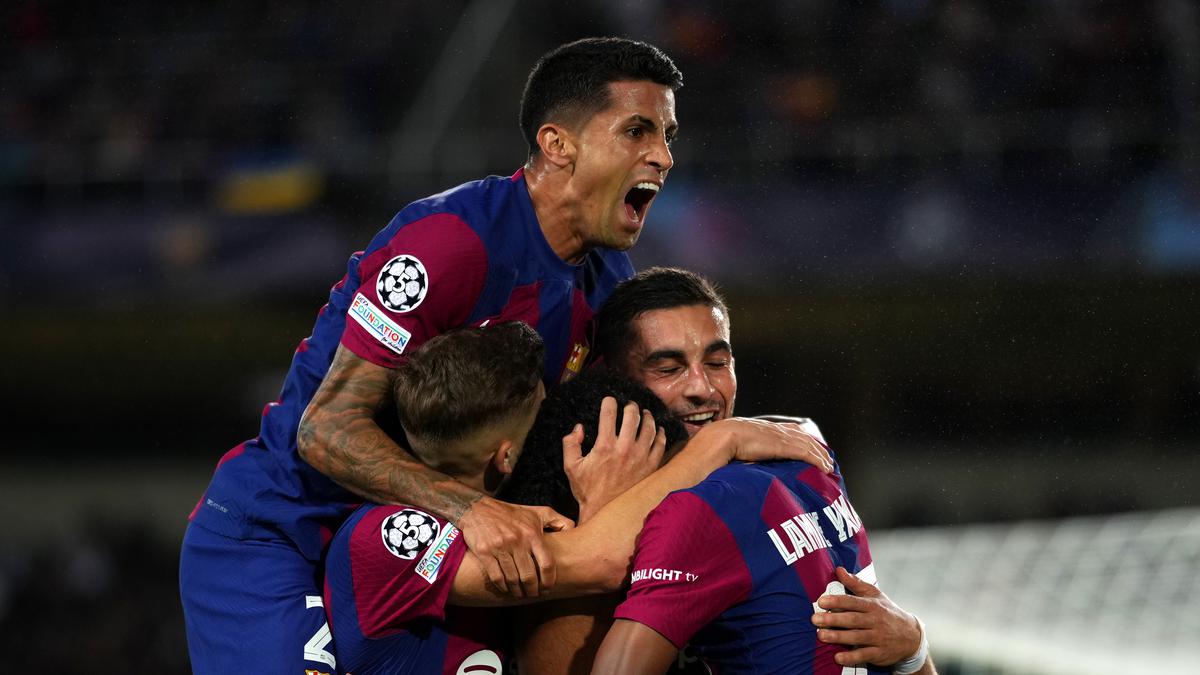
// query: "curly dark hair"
[[570, 83], [539, 478]]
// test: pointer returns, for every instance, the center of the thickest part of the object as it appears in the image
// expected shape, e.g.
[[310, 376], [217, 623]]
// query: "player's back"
[[735, 564]]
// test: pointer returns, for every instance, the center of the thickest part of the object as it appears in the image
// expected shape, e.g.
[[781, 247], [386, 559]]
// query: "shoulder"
[[393, 531], [734, 483], [483, 206]]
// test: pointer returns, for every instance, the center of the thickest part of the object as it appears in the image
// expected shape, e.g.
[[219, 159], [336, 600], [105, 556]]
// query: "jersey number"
[[315, 648]]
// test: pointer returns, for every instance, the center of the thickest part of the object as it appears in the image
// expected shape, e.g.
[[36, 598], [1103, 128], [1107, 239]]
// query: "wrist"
[[914, 663], [464, 511], [714, 444]]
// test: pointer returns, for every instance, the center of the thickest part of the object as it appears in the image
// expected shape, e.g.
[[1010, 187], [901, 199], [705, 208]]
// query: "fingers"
[[758, 440], [646, 431], [856, 585], [629, 423], [511, 575], [491, 568], [845, 637], [824, 459], [815, 452], [840, 603], [544, 564], [812, 450], [573, 446], [608, 418], [659, 448], [858, 657], [843, 618], [527, 575], [553, 521]]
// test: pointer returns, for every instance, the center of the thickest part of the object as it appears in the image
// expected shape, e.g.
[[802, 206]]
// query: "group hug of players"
[[489, 373]]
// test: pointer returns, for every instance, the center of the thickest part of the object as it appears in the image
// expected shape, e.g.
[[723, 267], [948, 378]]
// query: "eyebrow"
[[649, 124], [678, 355]]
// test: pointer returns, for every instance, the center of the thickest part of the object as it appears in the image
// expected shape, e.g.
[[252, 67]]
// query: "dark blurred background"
[[963, 236]]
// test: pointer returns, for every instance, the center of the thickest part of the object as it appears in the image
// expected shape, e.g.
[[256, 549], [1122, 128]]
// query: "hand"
[[617, 461], [507, 541], [754, 440], [879, 632]]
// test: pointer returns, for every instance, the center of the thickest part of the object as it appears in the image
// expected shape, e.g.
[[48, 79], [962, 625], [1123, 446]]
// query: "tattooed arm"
[[339, 437]]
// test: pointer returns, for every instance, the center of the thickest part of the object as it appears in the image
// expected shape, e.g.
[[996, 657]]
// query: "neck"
[[557, 208], [477, 481]]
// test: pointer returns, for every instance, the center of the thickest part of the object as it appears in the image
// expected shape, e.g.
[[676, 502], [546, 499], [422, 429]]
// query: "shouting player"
[[544, 245]]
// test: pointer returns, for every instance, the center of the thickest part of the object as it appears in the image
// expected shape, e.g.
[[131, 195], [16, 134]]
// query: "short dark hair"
[[539, 478], [570, 83], [650, 289], [467, 379]]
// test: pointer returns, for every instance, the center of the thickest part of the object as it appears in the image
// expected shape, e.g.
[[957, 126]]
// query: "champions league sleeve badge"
[[402, 283], [408, 532]]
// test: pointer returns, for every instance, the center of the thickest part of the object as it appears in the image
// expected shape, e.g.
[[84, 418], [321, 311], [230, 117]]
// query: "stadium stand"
[[1116, 594]]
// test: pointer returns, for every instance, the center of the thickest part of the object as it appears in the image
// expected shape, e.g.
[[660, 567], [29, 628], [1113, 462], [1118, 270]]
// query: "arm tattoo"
[[344, 442]]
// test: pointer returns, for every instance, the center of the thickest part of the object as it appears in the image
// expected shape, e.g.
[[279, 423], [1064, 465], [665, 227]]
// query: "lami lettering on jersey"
[[734, 565]]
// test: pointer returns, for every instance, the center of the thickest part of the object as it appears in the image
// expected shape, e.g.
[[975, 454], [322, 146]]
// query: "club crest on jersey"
[[402, 283], [406, 533], [574, 362]]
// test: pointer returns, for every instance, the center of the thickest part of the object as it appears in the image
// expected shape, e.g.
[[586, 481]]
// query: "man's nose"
[[659, 156], [698, 384]]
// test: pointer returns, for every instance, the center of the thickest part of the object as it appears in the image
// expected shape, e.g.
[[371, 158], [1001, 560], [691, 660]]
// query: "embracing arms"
[[339, 437], [595, 557]]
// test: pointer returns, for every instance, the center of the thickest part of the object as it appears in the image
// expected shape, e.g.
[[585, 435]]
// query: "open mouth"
[[638, 199], [697, 420]]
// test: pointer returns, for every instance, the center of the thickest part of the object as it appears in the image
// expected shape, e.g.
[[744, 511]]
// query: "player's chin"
[[625, 235]]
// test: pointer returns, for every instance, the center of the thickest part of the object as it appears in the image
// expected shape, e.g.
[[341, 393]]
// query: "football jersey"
[[735, 564], [387, 580], [464, 257]]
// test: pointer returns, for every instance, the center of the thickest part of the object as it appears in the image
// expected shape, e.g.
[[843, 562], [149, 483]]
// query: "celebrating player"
[[737, 563], [402, 596], [543, 245]]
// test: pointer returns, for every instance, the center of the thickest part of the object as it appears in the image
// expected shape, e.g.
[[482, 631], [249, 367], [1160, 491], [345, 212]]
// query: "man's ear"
[[504, 457], [556, 144]]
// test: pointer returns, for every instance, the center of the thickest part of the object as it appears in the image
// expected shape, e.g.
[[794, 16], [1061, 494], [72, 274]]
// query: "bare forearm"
[[631, 648], [595, 557], [612, 532], [562, 637], [339, 437], [360, 457]]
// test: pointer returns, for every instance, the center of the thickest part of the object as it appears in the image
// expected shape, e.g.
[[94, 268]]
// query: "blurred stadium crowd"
[[943, 212], [902, 135]]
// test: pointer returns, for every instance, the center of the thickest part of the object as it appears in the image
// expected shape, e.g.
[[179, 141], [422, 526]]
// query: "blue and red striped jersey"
[[387, 581], [469, 255], [734, 565]]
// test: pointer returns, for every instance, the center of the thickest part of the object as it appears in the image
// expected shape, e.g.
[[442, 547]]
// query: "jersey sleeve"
[[687, 569], [423, 281], [402, 564]]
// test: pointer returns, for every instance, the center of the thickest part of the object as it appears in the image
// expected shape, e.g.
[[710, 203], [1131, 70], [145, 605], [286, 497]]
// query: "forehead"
[[694, 327], [651, 100]]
